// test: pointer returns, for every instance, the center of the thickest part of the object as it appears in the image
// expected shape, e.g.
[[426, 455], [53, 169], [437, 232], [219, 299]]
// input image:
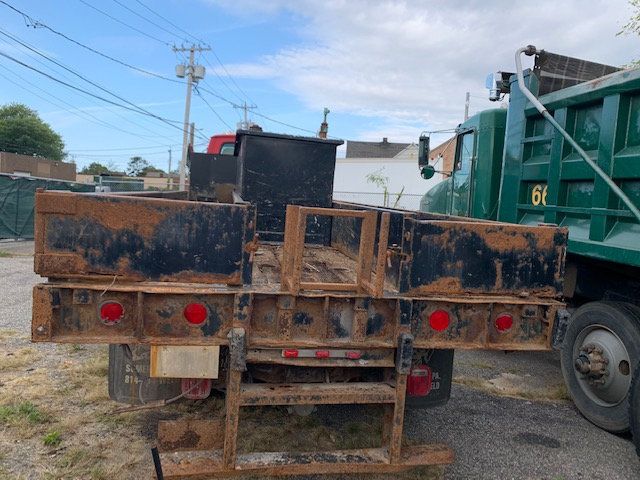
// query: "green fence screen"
[[17, 202]]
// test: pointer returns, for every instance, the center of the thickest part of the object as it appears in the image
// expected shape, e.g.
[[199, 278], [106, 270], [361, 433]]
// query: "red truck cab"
[[223, 144]]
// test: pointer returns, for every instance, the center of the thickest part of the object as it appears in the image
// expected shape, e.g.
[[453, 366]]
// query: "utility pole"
[[466, 107], [244, 125], [169, 171], [193, 73]]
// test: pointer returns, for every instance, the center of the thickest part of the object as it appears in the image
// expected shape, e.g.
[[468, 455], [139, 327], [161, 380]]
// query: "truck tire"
[[634, 408], [600, 348]]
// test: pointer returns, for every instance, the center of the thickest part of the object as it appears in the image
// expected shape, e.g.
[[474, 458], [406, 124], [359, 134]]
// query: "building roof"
[[441, 156], [383, 149]]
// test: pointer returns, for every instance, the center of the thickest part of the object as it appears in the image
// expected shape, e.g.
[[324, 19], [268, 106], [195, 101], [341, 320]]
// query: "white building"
[[363, 180]]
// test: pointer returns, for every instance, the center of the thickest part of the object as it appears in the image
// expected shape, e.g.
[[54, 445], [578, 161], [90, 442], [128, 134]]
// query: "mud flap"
[[440, 362]]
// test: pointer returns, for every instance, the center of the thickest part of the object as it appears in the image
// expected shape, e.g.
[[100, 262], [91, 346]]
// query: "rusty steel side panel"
[[142, 238], [451, 257]]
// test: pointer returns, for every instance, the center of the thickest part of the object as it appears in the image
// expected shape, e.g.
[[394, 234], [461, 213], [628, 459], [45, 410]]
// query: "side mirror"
[[423, 151], [427, 172]]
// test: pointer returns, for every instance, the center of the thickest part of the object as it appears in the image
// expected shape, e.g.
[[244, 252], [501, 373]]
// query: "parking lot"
[[508, 418]]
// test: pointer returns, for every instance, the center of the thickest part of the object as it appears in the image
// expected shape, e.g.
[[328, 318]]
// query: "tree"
[[94, 168], [632, 26], [150, 169], [382, 181], [136, 166], [23, 131]]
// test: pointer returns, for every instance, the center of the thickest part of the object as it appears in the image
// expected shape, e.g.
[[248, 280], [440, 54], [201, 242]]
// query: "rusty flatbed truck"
[[284, 297]]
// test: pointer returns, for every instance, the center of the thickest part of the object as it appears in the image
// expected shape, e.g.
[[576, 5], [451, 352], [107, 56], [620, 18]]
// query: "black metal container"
[[275, 170]]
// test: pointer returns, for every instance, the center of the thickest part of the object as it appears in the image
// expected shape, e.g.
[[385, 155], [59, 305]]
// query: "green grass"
[[4, 254], [75, 348], [23, 411], [52, 438]]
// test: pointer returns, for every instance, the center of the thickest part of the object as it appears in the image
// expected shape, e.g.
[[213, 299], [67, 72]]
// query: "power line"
[[155, 134], [119, 149], [51, 77], [125, 24], [228, 75], [82, 77], [169, 22], [30, 21], [245, 96], [283, 123], [145, 18], [74, 110], [212, 109]]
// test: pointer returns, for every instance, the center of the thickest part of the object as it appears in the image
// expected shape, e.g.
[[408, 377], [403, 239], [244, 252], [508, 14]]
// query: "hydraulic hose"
[[531, 50]]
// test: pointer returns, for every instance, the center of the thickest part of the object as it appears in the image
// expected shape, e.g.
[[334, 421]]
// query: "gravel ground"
[[494, 435]]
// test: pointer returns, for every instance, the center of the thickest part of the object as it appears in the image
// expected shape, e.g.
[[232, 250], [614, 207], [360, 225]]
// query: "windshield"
[[227, 149]]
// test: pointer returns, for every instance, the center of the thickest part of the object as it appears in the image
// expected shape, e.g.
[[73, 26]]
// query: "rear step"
[[219, 458], [258, 394], [366, 460]]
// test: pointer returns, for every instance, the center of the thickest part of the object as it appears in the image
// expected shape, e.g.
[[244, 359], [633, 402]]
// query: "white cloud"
[[410, 63]]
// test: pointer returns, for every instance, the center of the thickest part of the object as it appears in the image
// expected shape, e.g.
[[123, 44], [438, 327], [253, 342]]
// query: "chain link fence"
[[405, 201]]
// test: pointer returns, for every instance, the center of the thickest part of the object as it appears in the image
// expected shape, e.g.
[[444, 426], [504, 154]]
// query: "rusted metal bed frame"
[[391, 456], [208, 448]]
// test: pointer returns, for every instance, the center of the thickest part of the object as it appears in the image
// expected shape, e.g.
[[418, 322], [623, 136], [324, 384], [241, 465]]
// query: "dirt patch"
[[516, 386]]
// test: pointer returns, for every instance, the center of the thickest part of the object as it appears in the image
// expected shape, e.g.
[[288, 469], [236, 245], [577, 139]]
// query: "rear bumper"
[[68, 312]]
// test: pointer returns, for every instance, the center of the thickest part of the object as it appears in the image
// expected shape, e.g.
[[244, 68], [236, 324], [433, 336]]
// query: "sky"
[[384, 68]]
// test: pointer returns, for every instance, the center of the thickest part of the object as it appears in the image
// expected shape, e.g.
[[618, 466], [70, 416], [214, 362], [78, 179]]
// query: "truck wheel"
[[634, 408], [601, 345]]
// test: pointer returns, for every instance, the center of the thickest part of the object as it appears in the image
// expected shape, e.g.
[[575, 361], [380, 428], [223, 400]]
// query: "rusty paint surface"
[[69, 312], [472, 257], [316, 394], [142, 238], [370, 460]]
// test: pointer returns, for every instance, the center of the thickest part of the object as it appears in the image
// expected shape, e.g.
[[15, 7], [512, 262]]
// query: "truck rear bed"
[[93, 249]]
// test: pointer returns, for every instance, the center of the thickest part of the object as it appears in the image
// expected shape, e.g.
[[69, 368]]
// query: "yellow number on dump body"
[[539, 195]]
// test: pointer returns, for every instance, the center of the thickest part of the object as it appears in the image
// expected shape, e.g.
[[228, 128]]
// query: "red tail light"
[[322, 354], [195, 313], [419, 381], [353, 355], [504, 322], [439, 320], [290, 353], [111, 312], [196, 388]]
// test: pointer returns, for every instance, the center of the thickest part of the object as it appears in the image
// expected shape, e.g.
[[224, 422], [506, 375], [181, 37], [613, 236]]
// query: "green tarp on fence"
[[17, 202]]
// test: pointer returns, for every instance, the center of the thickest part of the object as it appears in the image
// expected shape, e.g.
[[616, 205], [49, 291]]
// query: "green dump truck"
[[566, 151]]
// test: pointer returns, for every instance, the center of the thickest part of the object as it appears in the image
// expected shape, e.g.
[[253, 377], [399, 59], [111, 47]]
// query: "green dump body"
[[534, 176]]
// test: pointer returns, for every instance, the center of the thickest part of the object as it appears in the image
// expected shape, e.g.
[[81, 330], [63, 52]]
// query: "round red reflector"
[[195, 313], [111, 312], [504, 322], [439, 320]]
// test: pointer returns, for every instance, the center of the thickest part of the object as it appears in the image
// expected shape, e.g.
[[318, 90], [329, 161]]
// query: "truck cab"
[[223, 144], [473, 186], [566, 153]]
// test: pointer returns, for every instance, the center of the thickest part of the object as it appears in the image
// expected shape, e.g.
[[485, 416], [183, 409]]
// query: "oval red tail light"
[[439, 320], [111, 312], [195, 313], [504, 322]]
